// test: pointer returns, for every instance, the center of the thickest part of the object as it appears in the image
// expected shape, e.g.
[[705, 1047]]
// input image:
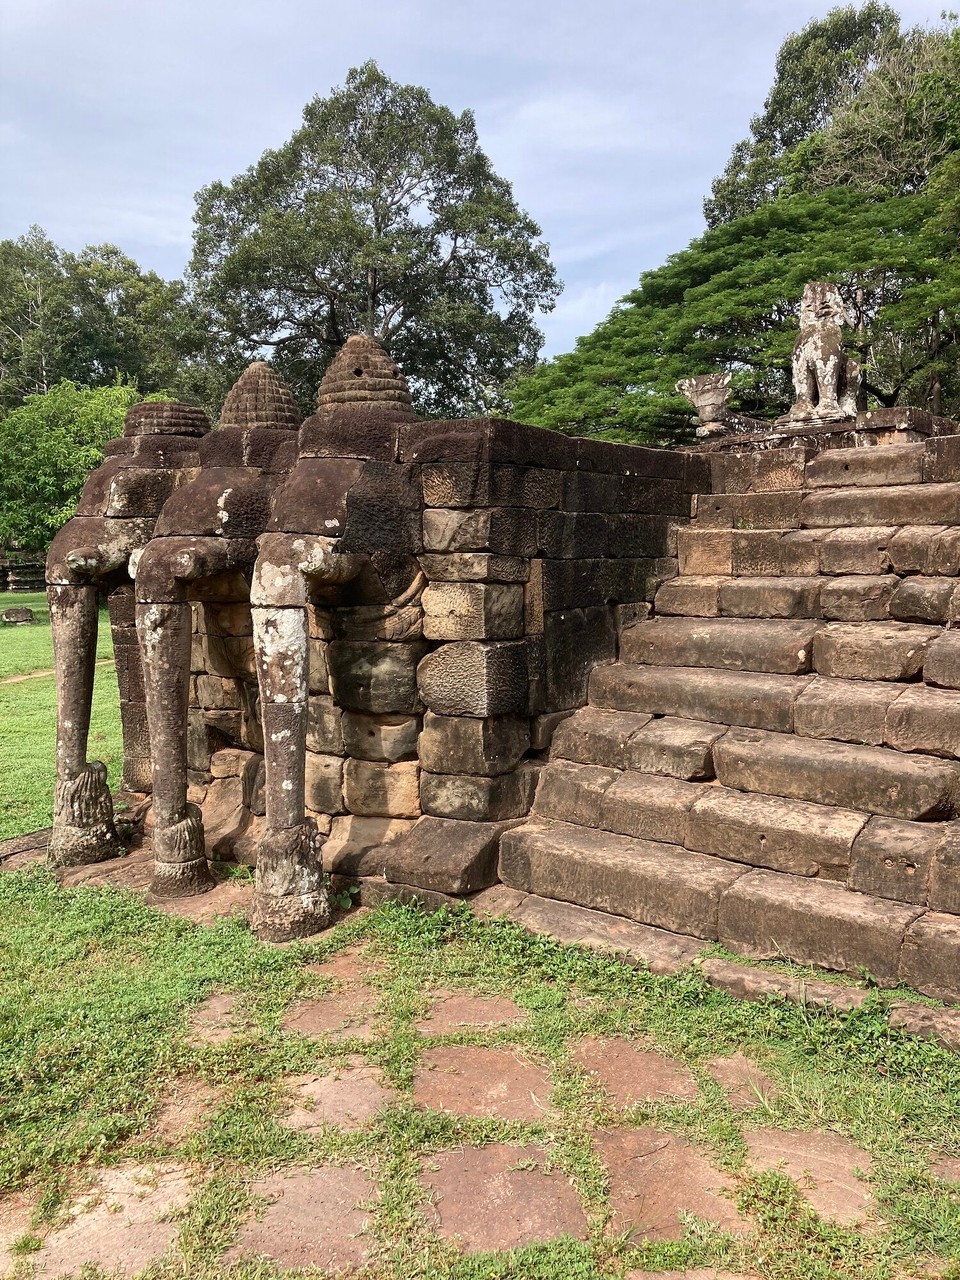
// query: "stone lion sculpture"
[[825, 379]]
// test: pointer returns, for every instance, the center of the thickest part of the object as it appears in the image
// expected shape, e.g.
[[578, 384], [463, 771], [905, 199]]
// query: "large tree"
[[380, 215]]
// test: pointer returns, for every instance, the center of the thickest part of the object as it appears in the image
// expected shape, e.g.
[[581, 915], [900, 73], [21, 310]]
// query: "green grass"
[[29, 647], [28, 718], [96, 989]]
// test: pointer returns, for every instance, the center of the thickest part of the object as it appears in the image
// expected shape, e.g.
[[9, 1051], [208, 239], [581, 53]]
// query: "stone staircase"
[[774, 761]]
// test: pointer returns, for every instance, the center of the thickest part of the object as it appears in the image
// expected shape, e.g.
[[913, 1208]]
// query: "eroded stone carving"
[[708, 393], [825, 379]]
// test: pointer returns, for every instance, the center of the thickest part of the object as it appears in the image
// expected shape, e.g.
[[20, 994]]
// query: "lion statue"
[[825, 379]]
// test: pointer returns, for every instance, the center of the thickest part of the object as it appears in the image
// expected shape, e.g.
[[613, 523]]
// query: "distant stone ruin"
[[661, 698]]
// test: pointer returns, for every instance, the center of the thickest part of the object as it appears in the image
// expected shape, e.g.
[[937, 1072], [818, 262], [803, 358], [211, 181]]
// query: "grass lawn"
[[28, 719], [96, 989]]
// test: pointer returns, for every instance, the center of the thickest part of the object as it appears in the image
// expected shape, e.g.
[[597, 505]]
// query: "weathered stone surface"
[[324, 783], [894, 464], [453, 1011], [445, 855], [344, 1015], [676, 748], [355, 846], [375, 789], [473, 611], [750, 510], [766, 471], [690, 597], [476, 799], [575, 642], [799, 552], [655, 884], [924, 600], [592, 736], [631, 1073], [942, 662], [389, 737], [931, 956], [324, 726], [727, 697], [313, 1219], [743, 1082], [934, 504], [656, 1176], [639, 944], [704, 552], [926, 720], [470, 678], [572, 792], [506, 531], [466, 744], [849, 711], [348, 1098], [872, 779], [648, 807], [375, 676], [744, 982], [856, 550], [769, 597], [872, 650], [757, 552], [825, 1167], [469, 1080], [474, 566], [858, 597], [766, 915], [893, 859], [909, 549], [780, 647], [785, 835], [944, 886], [940, 1025], [497, 1197], [217, 1019]]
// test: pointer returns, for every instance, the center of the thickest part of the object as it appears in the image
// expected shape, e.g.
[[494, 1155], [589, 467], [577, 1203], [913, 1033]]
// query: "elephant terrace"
[[651, 699]]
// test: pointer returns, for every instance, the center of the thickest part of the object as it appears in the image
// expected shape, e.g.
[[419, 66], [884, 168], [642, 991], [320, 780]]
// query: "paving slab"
[[339, 1016], [947, 1168], [453, 1011], [348, 1097], [496, 1197], [824, 1167], [743, 1082], [698, 1273], [632, 1073], [345, 966], [312, 1218], [217, 1019], [469, 1080], [122, 1224], [184, 1109], [656, 1176]]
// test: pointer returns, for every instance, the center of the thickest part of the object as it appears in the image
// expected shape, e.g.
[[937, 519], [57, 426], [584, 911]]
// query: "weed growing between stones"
[[98, 1007]]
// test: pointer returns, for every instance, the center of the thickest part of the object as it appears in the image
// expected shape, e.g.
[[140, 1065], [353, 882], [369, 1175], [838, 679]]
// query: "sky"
[[609, 117]]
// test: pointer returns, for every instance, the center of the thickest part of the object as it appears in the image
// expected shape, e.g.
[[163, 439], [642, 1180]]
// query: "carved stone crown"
[[259, 399], [362, 376], [165, 418]]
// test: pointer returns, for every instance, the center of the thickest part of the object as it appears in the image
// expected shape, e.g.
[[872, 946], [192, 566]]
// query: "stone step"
[[933, 550], [872, 650], [891, 464], [864, 778], [634, 740], [849, 598], [761, 913], [919, 504], [779, 646], [745, 698]]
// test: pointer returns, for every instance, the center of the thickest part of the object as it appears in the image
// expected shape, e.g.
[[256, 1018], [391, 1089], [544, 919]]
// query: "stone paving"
[[481, 1189]]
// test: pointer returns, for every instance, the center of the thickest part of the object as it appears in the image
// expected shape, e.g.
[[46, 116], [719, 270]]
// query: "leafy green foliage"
[[729, 301], [380, 215], [49, 446]]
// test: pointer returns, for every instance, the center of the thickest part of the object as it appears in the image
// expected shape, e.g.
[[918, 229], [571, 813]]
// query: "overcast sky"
[[610, 117]]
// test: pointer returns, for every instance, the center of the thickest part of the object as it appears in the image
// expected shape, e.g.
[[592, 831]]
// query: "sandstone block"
[[893, 859], [507, 531], [767, 597], [769, 471], [571, 792], [750, 510], [766, 831], [767, 915], [575, 641], [543, 727], [568, 535], [474, 566], [648, 807], [909, 548], [674, 748], [931, 956], [705, 551], [859, 597], [872, 779], [944, 552], [324, 783], [892, 505], [324, 726], [781, 646], [356, 846], [592, 736], [690, 597], [872, 650], [642, 535], [924, 600], [472, 799], [473, 611], [942, 461], [472, 678], [799, 552], [445, 856], [850, 711], [466, 744], [318, 676], [384, 511], [942, 664], [755, 552], [725, 697], [390, 738], [892, 464], [944, 887], [375, 676], [373, 789], [926, 720], [856, 550]]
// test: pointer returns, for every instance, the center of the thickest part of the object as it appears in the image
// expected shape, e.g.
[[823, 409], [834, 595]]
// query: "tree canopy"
[[380, 215]]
